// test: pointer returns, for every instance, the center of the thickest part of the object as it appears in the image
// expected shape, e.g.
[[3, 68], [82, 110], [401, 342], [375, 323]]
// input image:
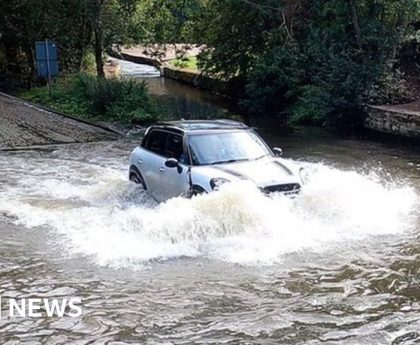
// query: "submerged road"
[[23, 124]]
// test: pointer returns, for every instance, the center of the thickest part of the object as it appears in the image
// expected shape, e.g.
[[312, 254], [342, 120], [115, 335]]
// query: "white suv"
[[185, 158]]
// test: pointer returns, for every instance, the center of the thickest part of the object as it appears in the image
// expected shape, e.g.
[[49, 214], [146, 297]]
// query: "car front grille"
[[289, 188]]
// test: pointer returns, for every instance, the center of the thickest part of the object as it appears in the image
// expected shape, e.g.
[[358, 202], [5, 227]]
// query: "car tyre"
[[196, 190], [137, 179]]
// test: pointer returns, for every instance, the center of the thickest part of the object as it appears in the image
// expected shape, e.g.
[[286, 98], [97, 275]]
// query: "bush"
[[63, 98], [86, 96], [318, 59], [335, 94], [311, 107], [391, 88], [271, 83], [89, 63]]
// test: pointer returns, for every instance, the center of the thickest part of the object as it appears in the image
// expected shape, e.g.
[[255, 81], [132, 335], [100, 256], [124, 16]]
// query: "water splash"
[[118, 225]]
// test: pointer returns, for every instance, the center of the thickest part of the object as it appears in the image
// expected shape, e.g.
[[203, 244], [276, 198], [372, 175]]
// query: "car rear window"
[[156, 142]]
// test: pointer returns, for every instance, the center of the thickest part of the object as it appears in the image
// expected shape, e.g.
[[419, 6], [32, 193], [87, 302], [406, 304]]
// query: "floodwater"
[[338, 264]]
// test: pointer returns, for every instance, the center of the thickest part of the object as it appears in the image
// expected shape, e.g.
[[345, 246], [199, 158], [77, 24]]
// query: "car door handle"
[[162, 169], [140, 161]]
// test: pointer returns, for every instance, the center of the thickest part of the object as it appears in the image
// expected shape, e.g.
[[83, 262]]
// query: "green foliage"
[[272, 80], [83, 27], [347, 62], [409, 54], [322, 60], [88, 64], [122, 100], [185, 62], [391, 88], [24, 22], [63, 98], [78, 27], [90, 97], [311, 107], [168, 21], [236, 33], [319, 59]]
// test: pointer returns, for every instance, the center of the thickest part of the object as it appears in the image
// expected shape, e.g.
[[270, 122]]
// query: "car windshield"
[[226, 147]]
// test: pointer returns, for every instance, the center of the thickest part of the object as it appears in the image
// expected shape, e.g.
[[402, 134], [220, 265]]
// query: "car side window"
[[175, 148], [156, 142]]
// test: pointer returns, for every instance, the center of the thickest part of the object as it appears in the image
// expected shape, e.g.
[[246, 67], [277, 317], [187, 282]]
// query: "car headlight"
[[303, 174], [215, 183]]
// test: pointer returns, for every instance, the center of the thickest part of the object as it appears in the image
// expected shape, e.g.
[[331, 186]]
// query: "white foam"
[[118, 225]]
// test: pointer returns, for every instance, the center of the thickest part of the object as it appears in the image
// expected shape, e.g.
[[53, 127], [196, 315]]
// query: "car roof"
[[201, 125]]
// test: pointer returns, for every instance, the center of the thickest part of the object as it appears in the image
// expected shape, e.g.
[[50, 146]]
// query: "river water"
[[338, 264]]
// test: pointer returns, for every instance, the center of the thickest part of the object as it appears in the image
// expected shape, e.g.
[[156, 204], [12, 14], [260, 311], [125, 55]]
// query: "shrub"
[[86, 96], [88, 63], [343, 47], [271, 83], [63, 98], [311, 107], [391, 88]]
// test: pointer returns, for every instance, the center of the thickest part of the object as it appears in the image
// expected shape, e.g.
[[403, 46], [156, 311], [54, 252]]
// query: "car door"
[[152, 160], [174, 181]]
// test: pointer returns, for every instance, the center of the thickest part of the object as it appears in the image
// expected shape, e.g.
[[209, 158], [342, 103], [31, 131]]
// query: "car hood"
[[263, 172]]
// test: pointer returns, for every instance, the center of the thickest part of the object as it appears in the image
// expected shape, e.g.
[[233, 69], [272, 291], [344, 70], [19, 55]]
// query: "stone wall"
[[387, 120], [195, 79], [140, 59]]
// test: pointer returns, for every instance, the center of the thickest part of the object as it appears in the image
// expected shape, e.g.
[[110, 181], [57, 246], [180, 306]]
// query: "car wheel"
[[137, 180], [196, 190]]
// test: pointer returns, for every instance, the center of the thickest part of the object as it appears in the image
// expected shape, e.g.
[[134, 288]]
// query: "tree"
[[23, 22], [169, 21], [348, 57], [318, 59], [76, 25], [111, 22]]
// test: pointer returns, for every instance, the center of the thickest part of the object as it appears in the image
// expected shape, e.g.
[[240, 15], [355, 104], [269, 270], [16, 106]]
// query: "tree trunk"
[[355, 20], [30, 58], [98, 52], [11, 53]]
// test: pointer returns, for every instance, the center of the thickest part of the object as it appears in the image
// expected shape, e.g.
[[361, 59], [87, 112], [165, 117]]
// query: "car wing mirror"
[[278, 151], [171, 163]]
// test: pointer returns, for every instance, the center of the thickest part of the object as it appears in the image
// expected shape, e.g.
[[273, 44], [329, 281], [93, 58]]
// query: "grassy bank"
[[185, 63], [97, 99]]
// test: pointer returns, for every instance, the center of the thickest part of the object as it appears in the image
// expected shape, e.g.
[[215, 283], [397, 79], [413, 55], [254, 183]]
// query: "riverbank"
[[399, 120], [125, 101], [23, 124], [402, 120], [162, 58]]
